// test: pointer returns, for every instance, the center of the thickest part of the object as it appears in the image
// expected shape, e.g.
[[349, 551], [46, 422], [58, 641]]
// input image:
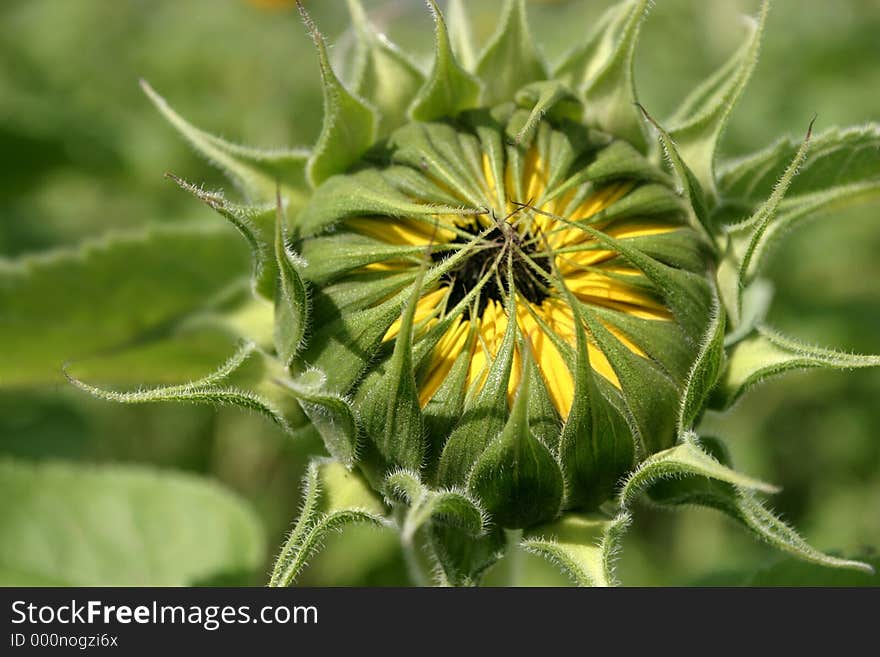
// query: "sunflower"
[[524, 245], [503, 294]]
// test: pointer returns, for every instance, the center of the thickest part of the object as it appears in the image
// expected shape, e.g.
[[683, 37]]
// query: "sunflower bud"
[[502, 308]]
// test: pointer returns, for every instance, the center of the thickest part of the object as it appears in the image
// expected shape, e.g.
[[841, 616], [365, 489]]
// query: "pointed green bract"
[[768, 354], [758, 223], [367, 192], [459, 558], [393, 414], [256, 172], [516, 476], [350, 124], [842, 168], [582, 546], [739, 502], [584, 61], [330, 414], [542, 97], [207, 390], [386, 78], [688, 184], [483, 418], [698, 124], [686, 459], [461, 34], [610, 93], [448, 507], [596, 447], [647, 393], [805, 207], [333, 498], [838, 158], [449, 88], [254, 223], [704, 373], [511, 60], [686, 293], [291, 299]]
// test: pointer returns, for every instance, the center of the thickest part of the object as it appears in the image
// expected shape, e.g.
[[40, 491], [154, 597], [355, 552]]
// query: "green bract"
[[504, 294]]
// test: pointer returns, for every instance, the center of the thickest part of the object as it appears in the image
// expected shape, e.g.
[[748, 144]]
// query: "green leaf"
[[386, 78], [610, 93], [705, 371], [698, 124], [511, 60], [186, 354], [330, 414], [333, 498], [120, 290], [449, 88], [291, 299], [258, 173], [582, 546], [740, 503], [768, 354], [350, 124], [78, 525], [685, 459], [516, 477]]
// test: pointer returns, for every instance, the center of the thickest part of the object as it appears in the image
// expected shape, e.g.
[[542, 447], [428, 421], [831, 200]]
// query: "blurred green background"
[[82, 152]]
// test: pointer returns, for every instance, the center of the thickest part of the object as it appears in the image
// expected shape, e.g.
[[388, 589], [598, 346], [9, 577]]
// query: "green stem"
[[514, 561]]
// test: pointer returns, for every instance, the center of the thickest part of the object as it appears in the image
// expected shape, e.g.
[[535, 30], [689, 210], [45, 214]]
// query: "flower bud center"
[[504, 253]]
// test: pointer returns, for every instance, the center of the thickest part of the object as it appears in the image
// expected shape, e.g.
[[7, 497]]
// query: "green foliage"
[[123, 289], [121, 526]]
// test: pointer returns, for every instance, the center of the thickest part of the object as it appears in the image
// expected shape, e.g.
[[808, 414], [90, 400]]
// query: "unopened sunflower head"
[[504, 294]]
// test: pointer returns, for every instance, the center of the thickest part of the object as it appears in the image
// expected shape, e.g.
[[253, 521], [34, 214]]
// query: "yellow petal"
[[426, 307]]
